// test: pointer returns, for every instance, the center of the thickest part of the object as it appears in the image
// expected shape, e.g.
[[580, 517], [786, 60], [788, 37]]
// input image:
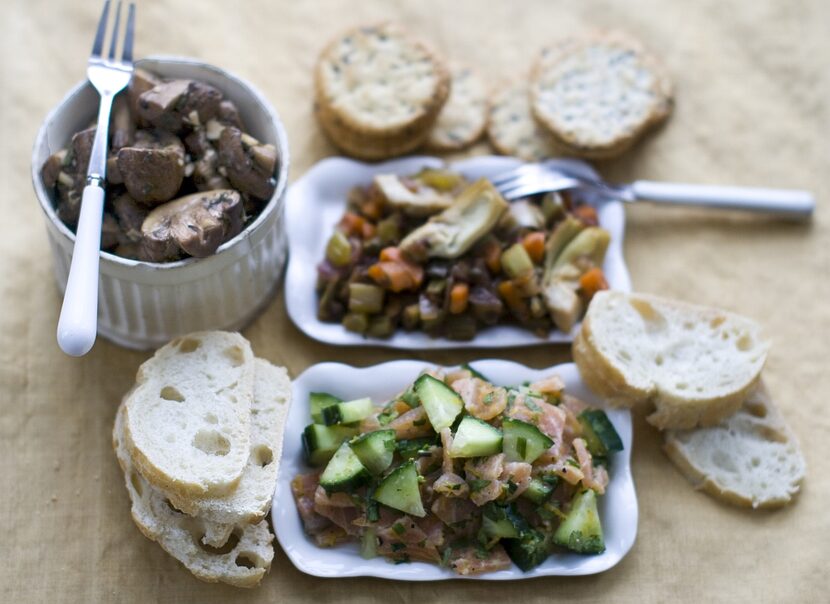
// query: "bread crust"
[[350, 132], [778, 431], [518, 134], [669, 411], [446, 136], [604, 147]]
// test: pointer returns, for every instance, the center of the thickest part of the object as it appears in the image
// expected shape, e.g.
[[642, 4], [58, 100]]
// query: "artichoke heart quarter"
[[473, 214]]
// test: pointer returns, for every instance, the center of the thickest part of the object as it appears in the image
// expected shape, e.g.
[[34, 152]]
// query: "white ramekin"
[[143, 304]]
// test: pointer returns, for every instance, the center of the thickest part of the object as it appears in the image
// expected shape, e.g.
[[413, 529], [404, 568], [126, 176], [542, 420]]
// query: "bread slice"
[[187, 421], [598, 93], [251, 499], [237, 555], [696, 365], [749, 459]]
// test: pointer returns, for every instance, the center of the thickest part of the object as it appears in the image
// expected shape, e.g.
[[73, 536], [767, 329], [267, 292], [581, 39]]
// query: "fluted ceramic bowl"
[[145, 304]]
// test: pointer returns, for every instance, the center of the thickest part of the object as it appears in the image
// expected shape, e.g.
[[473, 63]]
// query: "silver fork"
[[78, 322], [534, 178]]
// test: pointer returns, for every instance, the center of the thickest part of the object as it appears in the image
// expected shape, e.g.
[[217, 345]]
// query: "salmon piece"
[[481, 399], [565, 470], [487, 468], [412, 424], [331, 536], [429, 463], [583, 456], [303, 487], [451, 485], [550, 386], [452, 510], [518, 473], [573, 404], [404, 539], [458, 374], [465, 561], [339, 508]]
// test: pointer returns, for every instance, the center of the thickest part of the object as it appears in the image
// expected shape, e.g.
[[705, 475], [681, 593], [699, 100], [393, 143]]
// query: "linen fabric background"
[[752, 108]]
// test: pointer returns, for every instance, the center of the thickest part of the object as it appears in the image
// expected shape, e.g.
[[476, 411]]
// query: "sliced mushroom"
[[195, 224], [123, 135], [229, 114], [449, 234], [153, 168], [111, 233], [130, 215], [52, 168], [71, 175], [205, 173], [522, 213], [248, 163], [423, 201], [141, 82], [175, 104]]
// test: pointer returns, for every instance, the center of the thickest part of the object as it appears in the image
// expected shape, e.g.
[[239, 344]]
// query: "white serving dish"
[[144, 304], [316, 203], [618, 507]]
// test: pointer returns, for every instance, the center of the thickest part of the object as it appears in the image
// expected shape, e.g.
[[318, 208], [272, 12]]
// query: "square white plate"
[[315, 204], [618, 507]]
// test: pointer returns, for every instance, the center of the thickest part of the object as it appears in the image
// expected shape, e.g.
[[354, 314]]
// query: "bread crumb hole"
[[245, 560], [755, 462], [681, 386], [169, 393], [136, 482], [236, 356], [716, 322], [172, 507], [211, 442], [744, 343], [189, 345], [226, 548], [263, 455], [756, 410], [653, 319], [625, 355], [688, 325], [211, 418], [723, 461], [659, 360], [171, 438]]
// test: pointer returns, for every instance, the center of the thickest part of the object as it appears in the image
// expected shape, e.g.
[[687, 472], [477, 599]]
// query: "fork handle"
[[78, 322], [794, 204]]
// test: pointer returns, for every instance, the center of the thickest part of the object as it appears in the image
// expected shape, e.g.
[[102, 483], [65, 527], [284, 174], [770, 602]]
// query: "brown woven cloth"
[[752, 84]]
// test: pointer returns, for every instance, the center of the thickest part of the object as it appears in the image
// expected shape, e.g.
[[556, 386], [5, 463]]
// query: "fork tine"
[[512, 175], [114, 41], [127, 51], [98, 45]]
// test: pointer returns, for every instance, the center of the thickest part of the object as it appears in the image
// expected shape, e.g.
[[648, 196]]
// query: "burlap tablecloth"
[[752, 87]]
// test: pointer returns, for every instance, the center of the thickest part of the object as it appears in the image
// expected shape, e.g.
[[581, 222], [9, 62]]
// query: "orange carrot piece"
[[390, 254], [586, 214], [352, 224], [372, 208], [394, 276], [534, 244], [592, 282], [459, 297], [492, 256]]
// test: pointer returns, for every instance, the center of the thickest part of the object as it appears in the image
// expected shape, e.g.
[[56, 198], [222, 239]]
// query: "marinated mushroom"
[[130, 215], [153, 168], [229, 114], [455, 230], [123, 135], [141, 81], [248, 163], [196, 225], [66, 172], [205, 172], [176, 104]]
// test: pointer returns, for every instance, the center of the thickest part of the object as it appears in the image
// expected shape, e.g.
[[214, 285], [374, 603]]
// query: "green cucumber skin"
[[317, 401], [401, 491], [320, 442], [475, 438], [502, 521], [537, 492], [600, 435], [441, 402], [375, 450], [344, 471], [535, 441]]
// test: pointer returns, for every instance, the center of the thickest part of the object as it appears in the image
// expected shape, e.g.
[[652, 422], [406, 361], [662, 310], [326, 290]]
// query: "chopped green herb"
[[396, 547], [445, 556], [571, 462], [488, 398], [398, 528], [419, 422], [476, 484], [401, 560], [531, 404], [481, 552]]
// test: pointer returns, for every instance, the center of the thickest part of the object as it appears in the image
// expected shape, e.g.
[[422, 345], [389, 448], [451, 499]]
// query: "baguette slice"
[[696, 365], [750, 459], [187, 421], [251, 500], [213, 552]]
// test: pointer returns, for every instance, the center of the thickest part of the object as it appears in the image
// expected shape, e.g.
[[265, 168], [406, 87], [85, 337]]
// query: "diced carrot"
[[592, 282], [352, 224], [396, 276], [534, 244], [391, 254], [368, 230], [507, 290], [459, 296], [491, 251], [586, 214]]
